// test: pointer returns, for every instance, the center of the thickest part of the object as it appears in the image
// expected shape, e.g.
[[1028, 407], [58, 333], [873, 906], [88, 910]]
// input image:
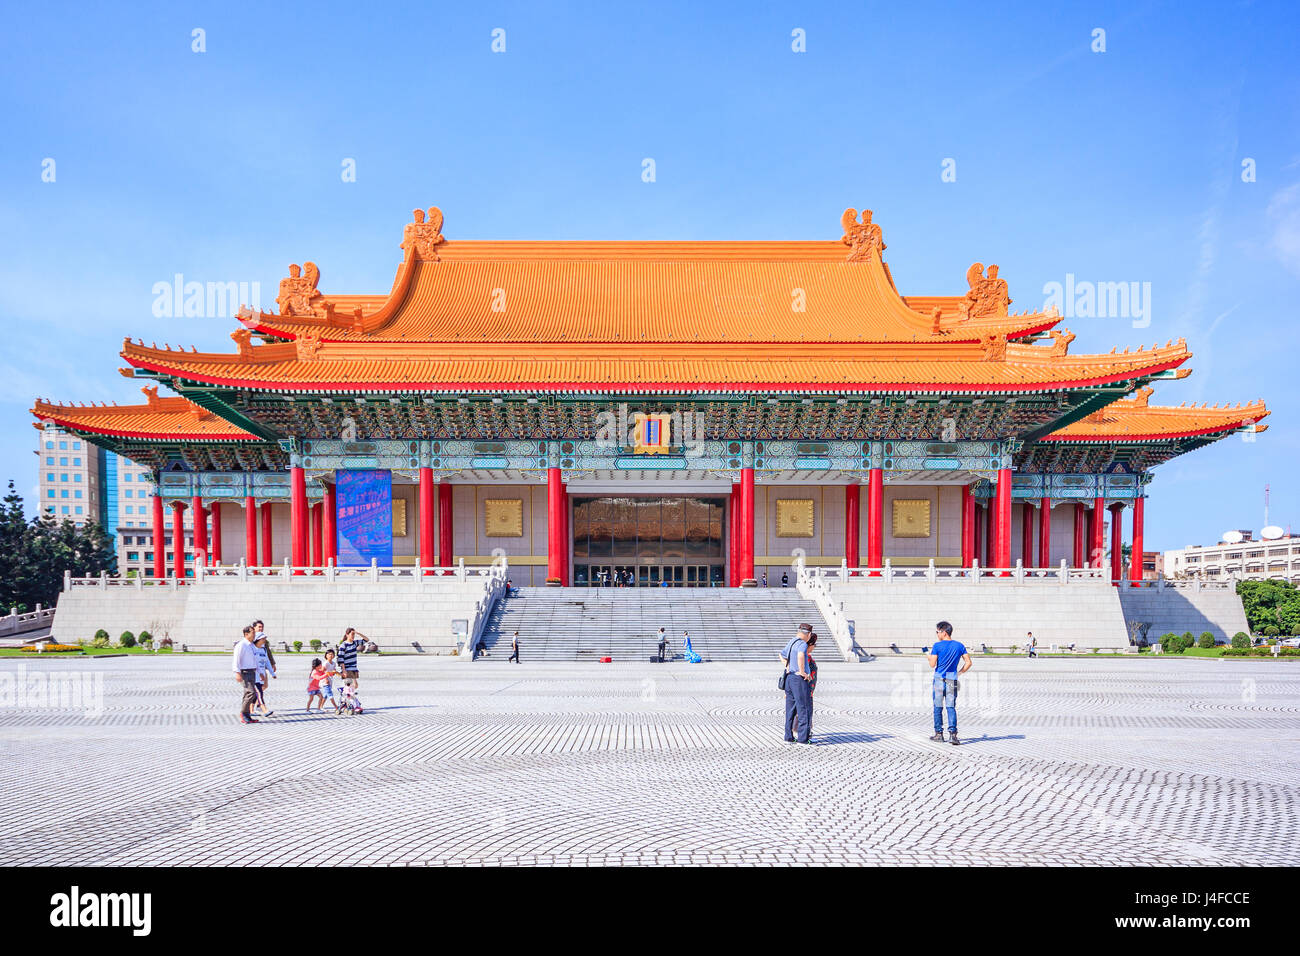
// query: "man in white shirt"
[[245, 666]]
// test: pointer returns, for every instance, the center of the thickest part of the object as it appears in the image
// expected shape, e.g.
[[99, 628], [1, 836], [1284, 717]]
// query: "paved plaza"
[[1066, 762]]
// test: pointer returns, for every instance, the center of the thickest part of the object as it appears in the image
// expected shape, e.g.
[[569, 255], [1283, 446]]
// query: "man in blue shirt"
[[950, 660], [798, 686]]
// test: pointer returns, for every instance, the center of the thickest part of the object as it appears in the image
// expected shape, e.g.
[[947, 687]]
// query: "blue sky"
[[225, 165]]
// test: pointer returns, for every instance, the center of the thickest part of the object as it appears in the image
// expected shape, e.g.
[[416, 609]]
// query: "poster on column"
[[364, 502]]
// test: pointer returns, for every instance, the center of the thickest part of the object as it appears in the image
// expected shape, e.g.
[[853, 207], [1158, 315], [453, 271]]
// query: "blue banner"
[[364, 499]]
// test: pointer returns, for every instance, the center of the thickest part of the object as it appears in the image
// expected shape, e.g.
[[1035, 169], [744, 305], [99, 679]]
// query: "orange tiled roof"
[[1133, 419], [160, 419], [484, 291], [315, 365]]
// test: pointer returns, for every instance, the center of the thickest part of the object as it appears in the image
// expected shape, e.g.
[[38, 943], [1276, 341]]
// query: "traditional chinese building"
[[683, 412]]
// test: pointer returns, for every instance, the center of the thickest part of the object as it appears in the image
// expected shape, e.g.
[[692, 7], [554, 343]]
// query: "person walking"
[[514, 648], [265, 669], [353, 644], [1031, 645], [245, 667], [798, 696], [950, 660]]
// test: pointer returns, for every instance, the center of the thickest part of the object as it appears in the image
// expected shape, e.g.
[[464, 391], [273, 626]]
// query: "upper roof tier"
[[646, 292], [314, 366], [159, 419]]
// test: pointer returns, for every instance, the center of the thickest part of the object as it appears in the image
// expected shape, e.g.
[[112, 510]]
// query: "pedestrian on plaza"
[[1031, 645], [812, 679], [798, 690], [353, 644], [514, 648], [245, 667], [950, 660], [315, 678], [265, 670], [663, 644]]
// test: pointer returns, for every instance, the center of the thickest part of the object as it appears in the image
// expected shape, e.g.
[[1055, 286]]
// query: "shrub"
[[145, 641], [165, 644], [127, 639], [145, 637], [101, 634], [1175, 643], [1272, 631], [297, 647], [1295, 631], [1206, 642], [315, 644], [1241, 640]]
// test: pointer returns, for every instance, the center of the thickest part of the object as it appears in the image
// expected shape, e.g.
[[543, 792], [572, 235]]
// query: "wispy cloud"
[[1284, 214]]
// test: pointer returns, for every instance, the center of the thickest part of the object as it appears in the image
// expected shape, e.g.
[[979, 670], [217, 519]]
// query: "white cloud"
[[1284, 212]]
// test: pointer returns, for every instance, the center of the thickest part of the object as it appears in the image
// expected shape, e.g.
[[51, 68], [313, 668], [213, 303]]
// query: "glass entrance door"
[[648, 541]]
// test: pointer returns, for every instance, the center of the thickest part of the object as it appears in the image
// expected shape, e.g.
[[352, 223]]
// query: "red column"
[[427, 557], [1135, 560], [268, 552], [733, 535], [444, 525], [317, 540], [329, 525], [178, 540], [1027, 534], [250, 531], [1044, 532], [1077, 557], [746, 525], [990, 531], [159, 539], [852, 494], [876, 518], [979, 525], [216, 533], [1002, 543], [199, 523], [298, 517], [1097, 546], [1116, 543], [967, 526], [565, 534], [554, 522]]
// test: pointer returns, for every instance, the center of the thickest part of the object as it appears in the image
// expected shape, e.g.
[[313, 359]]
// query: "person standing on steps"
[[245, 667], [798, 692], [514, 648], [950, 660], [785, 579], [663, 644], [764, 579]]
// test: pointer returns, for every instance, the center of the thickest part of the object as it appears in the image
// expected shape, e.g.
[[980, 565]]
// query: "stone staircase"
[[586, 624]]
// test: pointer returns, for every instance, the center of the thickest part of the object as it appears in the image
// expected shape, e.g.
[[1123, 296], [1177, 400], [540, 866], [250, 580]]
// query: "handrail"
[[330, 573], [817, 589]]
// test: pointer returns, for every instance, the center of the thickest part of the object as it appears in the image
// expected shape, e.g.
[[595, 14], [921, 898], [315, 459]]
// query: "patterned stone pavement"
[[1066, 762]]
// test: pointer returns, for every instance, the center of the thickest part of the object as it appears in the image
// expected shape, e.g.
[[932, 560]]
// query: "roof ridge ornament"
[[151, 395], [987, 296], [307, 346], [864, 238], [1061, 339], [298, 295], [421, 238], [243, 339], [995, 346], [1142, 398]]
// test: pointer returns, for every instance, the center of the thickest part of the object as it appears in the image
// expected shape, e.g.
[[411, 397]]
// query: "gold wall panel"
[[399, 517], [503, 517], [911, 517], [794, 518]]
